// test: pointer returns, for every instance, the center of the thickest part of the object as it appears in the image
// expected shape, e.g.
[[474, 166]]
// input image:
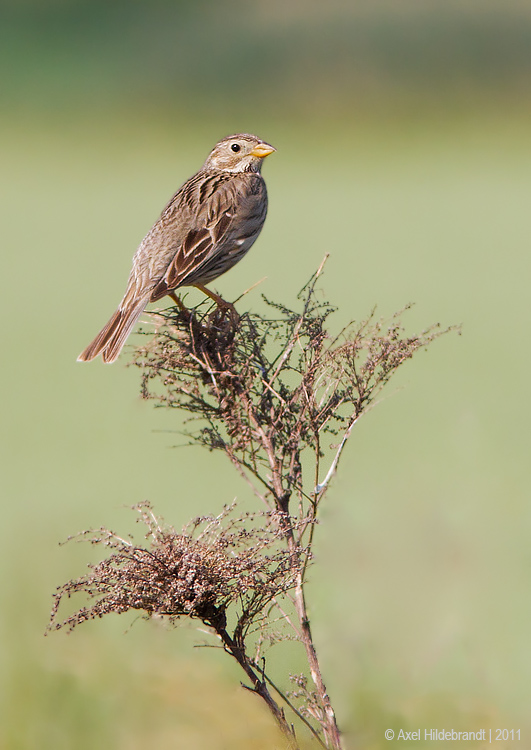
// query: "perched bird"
[[206, 228]]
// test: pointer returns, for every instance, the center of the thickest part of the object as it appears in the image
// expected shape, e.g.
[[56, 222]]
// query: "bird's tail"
[[112, 337]]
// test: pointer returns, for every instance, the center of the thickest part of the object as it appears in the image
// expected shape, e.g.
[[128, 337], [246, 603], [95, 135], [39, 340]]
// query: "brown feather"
[[110, 340]]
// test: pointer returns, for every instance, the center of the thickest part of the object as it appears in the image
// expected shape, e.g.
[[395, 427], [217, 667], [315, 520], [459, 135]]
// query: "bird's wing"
[[213, 207]]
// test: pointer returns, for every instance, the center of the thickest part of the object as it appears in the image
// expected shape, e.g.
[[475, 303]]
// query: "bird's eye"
[[236, 147]]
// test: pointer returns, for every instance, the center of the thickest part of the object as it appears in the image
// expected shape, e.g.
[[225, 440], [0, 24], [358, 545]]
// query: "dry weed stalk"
[[271, 392], [214, 567]]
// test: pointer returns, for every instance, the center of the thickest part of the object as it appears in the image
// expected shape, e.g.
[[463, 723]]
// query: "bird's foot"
[[184, 312], [223, 307]]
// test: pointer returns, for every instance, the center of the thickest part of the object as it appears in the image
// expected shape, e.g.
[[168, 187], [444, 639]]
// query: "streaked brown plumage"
[[206, 228]]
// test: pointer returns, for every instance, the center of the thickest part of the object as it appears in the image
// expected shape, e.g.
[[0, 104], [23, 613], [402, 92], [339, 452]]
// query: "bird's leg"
[[177, 301], [220, 302], [183, 310]]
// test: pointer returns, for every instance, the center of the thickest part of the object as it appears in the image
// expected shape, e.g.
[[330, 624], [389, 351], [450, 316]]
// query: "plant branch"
[[259, 686]]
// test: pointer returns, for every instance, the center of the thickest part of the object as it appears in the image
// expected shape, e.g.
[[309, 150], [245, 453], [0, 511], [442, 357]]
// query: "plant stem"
[[259, 686], [330, 727], [328, 722], [282, 499]]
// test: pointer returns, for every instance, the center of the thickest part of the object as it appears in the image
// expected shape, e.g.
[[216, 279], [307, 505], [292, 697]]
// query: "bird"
[[205, 229]]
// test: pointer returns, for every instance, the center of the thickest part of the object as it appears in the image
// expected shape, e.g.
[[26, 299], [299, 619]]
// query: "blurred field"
[[420, 589], [415, 176]]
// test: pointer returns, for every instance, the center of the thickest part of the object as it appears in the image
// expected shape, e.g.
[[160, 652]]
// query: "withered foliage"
[[225, 571], [199, 573]]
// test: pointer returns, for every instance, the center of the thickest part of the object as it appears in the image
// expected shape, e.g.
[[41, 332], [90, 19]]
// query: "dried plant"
[[198, 573], [271, 391], [216, 566]]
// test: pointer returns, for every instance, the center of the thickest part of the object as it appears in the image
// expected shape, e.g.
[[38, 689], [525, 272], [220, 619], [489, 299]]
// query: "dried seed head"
[[197, 574]]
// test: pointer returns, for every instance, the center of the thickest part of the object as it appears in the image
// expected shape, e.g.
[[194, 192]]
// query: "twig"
[[294, 709], [250, 289], [333, 467]]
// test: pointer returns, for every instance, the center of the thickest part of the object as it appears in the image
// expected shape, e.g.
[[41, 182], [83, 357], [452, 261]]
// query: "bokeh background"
[[403, 144]]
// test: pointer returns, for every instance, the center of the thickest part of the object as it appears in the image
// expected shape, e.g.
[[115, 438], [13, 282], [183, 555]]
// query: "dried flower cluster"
[[197, 573]]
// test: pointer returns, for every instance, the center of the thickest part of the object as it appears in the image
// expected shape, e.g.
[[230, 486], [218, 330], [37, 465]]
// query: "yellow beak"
[[262, 150]]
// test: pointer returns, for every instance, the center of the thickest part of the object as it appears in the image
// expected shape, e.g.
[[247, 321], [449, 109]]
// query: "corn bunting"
[[207, 227]]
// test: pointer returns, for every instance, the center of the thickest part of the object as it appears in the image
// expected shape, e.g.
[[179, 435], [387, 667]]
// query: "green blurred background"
[[403, 144]]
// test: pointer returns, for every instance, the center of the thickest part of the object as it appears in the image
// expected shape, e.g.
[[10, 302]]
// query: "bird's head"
[[238, 153]]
